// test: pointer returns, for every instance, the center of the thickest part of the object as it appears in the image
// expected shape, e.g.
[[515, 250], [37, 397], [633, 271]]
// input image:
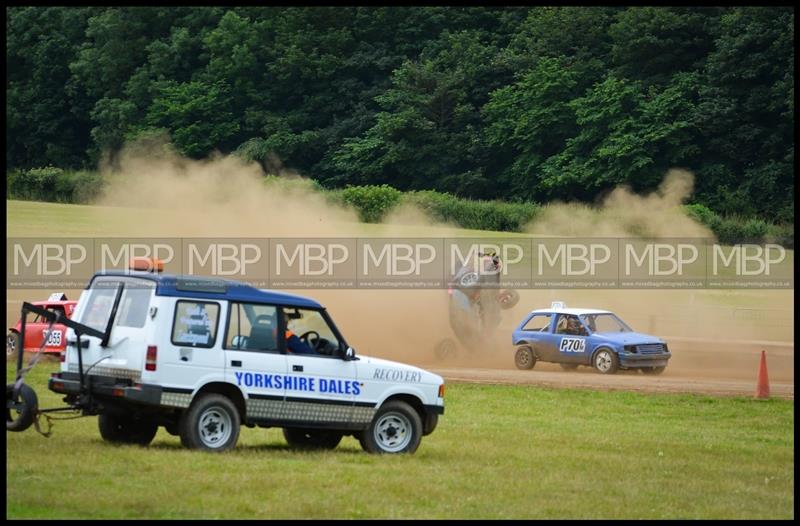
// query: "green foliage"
[[197, 114], [53, 184], [702, 214], [738, 229], [35, 184], [372, 202], [653, 42], [428, 134], [522, 103], [531, 121], [478, 215]]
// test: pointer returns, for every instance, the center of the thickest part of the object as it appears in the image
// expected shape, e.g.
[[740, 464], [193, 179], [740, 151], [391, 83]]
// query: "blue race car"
[[573, 337]]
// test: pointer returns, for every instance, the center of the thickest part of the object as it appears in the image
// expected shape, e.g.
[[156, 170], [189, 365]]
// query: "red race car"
[[36, 328]]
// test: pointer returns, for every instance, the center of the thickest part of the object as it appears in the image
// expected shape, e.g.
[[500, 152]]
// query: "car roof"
[[576, 312], [213, 288]]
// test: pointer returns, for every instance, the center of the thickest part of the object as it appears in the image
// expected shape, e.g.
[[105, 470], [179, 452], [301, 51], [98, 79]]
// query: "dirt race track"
[[727, 370]]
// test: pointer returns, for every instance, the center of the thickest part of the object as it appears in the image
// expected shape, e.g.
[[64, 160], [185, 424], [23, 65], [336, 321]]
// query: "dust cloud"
[[626, 214], [225, 196]]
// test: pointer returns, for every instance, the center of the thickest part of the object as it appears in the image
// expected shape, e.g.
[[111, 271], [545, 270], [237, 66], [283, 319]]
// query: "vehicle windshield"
[[604, 322]]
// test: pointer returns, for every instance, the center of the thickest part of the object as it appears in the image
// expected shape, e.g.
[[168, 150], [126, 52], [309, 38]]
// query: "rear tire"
[[653, 371], [126, 428], [212, 423], [22, 417], [525, 358], [301, 438], [396, 428]]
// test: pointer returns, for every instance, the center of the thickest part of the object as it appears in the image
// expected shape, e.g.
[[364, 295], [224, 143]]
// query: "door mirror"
[[350, 354]]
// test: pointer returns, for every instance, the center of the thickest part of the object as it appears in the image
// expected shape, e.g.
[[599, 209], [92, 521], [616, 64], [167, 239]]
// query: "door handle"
[[298, 368], [236, 363]]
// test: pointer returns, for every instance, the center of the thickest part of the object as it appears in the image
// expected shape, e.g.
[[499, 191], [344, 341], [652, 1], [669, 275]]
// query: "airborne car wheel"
[[605, 361], [396, 428], [524, 358], [211, 423], [446, 349], [508, 299]]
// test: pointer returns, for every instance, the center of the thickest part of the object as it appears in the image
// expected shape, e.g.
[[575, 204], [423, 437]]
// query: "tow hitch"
[[22, 404]]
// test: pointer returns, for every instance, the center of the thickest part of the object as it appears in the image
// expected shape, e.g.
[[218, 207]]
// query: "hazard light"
[[146, 264]]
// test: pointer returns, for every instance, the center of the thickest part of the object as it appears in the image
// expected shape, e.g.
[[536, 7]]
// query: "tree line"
[[517, 103]]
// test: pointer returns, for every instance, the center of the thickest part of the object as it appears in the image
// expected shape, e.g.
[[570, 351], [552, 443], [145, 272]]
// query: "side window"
[[195, 323], [133, 306], [252, 328], [570, 325], [539, 322], [98, 308]]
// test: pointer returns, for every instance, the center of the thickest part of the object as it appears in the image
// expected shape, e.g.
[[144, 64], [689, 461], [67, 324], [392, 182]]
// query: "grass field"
[[499, 452]]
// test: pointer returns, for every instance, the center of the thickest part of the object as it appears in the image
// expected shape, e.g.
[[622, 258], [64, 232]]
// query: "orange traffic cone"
[[762, 385]]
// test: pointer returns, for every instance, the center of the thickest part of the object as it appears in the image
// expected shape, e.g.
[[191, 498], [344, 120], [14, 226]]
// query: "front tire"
[[212, 423], [396, 428], [524, 358], [653, 371], [605, 361], [301, 438], [122, 428]]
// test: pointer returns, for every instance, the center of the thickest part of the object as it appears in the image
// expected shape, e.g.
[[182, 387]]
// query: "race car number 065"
[[55, 338]]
